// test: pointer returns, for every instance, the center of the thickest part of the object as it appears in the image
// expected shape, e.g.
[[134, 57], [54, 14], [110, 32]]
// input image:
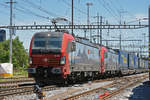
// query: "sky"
[[28, 12]]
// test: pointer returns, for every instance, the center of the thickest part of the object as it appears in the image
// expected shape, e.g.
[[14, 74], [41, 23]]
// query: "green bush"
[[19, 55]]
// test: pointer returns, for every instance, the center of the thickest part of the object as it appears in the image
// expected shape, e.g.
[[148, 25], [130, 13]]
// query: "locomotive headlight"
[[30, 60], [56, 70], [62, 60]]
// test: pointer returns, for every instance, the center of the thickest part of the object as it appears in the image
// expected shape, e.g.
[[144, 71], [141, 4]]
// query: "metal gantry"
[[51, 27], [129, 46]]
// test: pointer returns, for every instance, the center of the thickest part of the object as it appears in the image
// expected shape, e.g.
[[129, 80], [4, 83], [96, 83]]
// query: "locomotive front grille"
[[54, 61], [46, 60]]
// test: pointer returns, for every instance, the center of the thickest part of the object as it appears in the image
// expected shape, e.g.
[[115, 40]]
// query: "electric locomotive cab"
[[47, 58]]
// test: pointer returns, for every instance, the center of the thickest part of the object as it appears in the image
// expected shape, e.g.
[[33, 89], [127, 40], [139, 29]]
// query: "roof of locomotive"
[[47, 34]]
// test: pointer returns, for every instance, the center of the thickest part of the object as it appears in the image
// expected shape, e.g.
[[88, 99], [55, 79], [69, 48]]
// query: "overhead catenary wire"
[[6, 6], [82, 12], [33, 5], [25, 11], [118, 11], [77, 9], [114, 6], [121, 7], [111, 8], [118, 3], [108, 10], [54, 15], [128, 13]]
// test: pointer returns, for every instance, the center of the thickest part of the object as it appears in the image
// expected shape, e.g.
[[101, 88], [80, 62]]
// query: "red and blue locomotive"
[[61, 57]]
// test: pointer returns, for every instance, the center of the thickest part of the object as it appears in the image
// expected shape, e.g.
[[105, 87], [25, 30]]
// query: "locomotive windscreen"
[[46, 44]]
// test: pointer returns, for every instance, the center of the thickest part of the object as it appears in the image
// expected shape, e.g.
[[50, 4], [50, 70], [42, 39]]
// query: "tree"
[[19, 56]]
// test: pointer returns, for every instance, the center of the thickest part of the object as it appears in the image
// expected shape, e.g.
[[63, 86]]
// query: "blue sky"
[[27, 12]]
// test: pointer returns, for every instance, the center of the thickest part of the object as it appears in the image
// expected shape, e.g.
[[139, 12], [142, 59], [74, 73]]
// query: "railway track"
[[124, 85], [115, 86], [22, 91], [12, 78], [106, 91], [15, 90], [14, 83]]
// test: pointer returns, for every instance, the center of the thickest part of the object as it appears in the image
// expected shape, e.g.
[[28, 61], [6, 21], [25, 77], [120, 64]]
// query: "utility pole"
[[101, 21], [149, 41], [99, 31], [88, 15], [72, 25], [11, 30], [84, 33], [144, 35], [120, 40], [98, 17], [143, 48], [121, 16], [72, 17], [88, 11]]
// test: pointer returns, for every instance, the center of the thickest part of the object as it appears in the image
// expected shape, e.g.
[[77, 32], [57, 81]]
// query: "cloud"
[[140, 16]]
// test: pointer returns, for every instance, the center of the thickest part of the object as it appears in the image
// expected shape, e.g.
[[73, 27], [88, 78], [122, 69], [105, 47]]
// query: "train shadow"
[[142, 92]]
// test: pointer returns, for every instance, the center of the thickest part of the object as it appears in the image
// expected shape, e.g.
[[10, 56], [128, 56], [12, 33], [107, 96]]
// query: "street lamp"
[[88, 15], [88, 7]]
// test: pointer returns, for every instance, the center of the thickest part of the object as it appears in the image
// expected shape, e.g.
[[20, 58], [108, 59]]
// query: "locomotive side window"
[[73, 46], [105, 55], [68, 47], [100, 53]]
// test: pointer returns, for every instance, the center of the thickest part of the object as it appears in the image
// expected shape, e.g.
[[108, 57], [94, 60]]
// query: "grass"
[[17, 73], [20, 73]]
